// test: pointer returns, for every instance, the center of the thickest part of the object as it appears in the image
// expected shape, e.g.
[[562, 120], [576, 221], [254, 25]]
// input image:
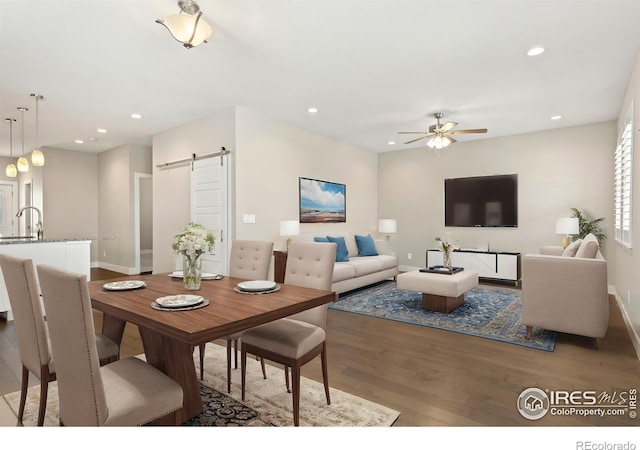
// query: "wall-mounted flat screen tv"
[[487, 201]]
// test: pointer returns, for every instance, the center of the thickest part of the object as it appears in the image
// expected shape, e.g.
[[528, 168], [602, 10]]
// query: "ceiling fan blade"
[[453, 141], [447, 126], [412, 132], [417, 139], [477, 130]]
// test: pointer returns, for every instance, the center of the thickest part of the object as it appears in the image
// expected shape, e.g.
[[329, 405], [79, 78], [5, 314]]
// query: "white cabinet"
[[74, 256], [500, 266]]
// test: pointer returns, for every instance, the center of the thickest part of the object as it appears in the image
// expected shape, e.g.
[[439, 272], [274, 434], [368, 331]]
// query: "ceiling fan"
[[440, 134]]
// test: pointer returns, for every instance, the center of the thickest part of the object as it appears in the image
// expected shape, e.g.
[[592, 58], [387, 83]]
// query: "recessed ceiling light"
[[558, 117], [391, 142], [79, 141], [101, 130], [535, 51], [312, 110], [136, 116]]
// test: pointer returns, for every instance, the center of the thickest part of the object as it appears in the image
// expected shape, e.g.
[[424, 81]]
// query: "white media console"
[[494, 266]]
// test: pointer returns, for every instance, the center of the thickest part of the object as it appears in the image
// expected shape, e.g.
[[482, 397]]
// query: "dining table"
[[169, 335]]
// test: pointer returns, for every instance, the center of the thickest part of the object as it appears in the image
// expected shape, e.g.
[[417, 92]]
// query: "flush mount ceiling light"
[[37, 157], [23, 163], [187, 27], [11, 170]]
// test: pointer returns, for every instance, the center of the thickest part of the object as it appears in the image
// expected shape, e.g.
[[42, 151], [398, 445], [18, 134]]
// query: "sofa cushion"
[[572, 248], [343, 271], [366, 246], [387, 261], [588, 247], [342, 254], [364, 265]]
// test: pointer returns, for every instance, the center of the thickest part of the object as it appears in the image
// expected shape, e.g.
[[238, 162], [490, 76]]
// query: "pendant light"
[[11, 170], [37, 157], [23, 163]]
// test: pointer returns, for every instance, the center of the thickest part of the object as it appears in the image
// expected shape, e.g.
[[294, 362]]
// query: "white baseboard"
[[633, 334], [408, 268], [119, 269]]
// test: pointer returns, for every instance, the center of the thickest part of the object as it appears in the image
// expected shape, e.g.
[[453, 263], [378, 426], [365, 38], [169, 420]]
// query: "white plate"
[[179, 301], [256, 285], [124, 285], [205, 275]]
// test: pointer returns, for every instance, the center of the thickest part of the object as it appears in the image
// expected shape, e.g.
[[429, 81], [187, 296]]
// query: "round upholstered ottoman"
[[440, 292]]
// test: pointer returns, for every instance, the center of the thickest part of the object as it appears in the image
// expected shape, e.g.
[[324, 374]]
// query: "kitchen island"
[[67, 254]]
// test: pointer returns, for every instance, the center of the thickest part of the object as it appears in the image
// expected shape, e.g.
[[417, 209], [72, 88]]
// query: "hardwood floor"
[[435, 377]]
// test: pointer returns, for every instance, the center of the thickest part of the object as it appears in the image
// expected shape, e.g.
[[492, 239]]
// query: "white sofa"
[[359, 271]]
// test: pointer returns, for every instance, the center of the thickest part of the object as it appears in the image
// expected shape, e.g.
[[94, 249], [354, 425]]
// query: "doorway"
[[143, 218], [8, 208]]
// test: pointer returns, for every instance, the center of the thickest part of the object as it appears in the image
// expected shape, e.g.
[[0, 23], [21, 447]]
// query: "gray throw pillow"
[[572, 248], [589, 247]]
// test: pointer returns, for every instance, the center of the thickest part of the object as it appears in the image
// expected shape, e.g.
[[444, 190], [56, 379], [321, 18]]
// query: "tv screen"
[[489, 201]]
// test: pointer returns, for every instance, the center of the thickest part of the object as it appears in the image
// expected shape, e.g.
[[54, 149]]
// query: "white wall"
[[624, 264], [267, 158], [557, 170], [116, 169]]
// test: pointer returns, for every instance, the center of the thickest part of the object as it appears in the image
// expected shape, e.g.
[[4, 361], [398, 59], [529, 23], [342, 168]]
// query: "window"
[[623, 168]]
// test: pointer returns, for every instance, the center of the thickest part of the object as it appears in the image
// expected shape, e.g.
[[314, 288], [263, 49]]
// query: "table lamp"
[[387, 226], [567, 226], [289, 228]]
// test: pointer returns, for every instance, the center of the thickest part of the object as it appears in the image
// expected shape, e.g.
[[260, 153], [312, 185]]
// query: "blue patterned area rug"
[[488, 312]]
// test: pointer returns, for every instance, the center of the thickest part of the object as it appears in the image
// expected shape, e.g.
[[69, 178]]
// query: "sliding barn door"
[[209, 206]]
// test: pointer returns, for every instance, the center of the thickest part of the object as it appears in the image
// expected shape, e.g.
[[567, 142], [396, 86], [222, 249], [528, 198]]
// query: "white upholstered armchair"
[[566, 293]]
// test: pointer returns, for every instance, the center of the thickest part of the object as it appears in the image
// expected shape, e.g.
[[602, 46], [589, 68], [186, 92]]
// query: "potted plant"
[[586, 226]]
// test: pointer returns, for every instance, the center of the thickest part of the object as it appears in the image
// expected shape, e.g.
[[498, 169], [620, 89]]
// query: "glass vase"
[[447, 259], [191, 273]]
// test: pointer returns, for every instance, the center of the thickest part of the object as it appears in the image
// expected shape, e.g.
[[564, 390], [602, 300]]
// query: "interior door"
[[8, 209], [209, 206]]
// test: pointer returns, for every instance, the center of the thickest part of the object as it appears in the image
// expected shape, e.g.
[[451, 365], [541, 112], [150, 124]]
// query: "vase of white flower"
[[191, 272], [192, 242]]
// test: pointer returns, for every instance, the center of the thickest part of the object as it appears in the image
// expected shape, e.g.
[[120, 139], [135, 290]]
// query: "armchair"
[[564, 293]]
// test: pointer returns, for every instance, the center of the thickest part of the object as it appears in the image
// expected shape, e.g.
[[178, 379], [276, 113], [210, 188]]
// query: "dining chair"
[[32, 334], [124, 393], [249, 260], [299, 338]]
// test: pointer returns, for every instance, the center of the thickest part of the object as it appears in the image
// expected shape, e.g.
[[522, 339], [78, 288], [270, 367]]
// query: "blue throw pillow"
[[366, 246], [320, 239], [342, 254]]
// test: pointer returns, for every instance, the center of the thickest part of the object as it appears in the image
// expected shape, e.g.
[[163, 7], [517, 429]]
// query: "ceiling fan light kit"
[[440, 135]]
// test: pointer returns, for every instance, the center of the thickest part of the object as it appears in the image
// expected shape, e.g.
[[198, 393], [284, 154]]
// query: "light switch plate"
[[248, 218]]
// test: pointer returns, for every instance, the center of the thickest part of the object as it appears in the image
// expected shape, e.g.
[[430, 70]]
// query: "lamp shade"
[[37, 158], [289, 228], [190, 30], [387, 225], [567, 225]]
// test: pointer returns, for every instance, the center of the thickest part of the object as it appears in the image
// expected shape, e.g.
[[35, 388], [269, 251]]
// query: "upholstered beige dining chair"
[[249, 260], [126, 392], [297, 339], [32, 334]]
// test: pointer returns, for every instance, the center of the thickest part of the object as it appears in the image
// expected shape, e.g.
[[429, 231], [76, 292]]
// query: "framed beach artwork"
[[322, 201]]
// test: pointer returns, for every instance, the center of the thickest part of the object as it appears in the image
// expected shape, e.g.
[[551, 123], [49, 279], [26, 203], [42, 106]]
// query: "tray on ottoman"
[[442, 269]]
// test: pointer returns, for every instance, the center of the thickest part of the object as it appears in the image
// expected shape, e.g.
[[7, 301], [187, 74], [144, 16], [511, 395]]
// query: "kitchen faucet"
[[39, 227]]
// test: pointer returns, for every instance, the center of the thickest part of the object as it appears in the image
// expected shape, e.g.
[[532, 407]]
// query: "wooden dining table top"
[[228, 311]]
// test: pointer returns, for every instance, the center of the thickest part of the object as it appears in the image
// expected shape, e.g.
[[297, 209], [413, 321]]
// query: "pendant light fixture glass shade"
[[23, 163], [11, 170], [187, 27], [37, 157]]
